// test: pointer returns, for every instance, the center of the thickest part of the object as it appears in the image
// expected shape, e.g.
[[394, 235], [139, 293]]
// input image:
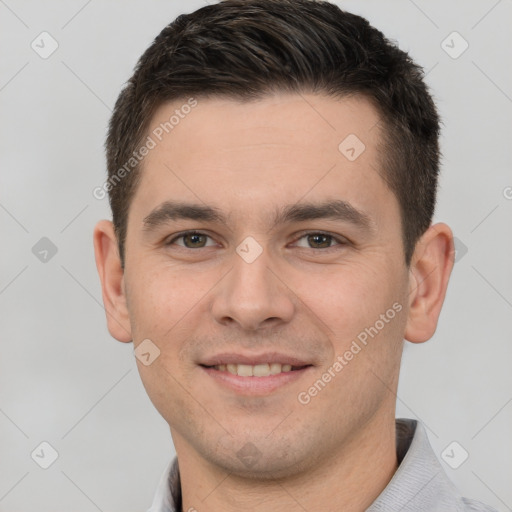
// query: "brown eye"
[[319, 241], [191, 240], [194, 240]]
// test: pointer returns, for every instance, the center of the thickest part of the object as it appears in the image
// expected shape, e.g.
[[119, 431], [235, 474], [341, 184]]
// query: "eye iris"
[[319, 240], [196, 240]]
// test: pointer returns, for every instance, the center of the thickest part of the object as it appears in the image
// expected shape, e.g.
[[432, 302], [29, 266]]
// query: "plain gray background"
[[63, 380]]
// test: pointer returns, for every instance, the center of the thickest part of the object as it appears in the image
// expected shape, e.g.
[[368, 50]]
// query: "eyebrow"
[[334, 210], [300, 212], [175, 210]]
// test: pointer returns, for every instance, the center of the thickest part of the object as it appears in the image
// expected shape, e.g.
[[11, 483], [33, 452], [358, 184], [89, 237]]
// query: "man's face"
[[268, 277]]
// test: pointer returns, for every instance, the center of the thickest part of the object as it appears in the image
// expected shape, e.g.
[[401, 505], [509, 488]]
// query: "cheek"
[[163, 385], [161, 298], [351, 297]]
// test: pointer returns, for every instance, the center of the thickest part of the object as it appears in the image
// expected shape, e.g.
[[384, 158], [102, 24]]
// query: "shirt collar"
[[168, 494], [419, 483]]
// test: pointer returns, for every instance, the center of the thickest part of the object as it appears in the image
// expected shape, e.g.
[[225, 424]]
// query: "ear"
[[430, 270], [111, 275]]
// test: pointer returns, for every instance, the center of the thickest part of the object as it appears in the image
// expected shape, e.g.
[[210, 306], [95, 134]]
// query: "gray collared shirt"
[[419, 484]]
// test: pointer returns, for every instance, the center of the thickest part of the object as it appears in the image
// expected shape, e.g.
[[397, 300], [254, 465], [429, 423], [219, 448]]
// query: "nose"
[[253, 295]]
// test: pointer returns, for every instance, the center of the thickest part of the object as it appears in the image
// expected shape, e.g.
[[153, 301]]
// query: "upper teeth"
[[257, 370]]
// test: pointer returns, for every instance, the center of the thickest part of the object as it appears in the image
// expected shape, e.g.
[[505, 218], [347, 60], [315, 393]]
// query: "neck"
[[349, 480]]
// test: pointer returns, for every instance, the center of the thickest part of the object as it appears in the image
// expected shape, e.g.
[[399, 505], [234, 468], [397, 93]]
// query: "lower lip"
[[256, 385]]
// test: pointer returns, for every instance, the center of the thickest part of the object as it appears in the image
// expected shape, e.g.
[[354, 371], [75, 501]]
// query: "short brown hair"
[[245, 49]]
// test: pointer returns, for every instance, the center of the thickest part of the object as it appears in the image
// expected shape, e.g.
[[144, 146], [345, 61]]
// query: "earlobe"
[[111, 275], [430, 271]]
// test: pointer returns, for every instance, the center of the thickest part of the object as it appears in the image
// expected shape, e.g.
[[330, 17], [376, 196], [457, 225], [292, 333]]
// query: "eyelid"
[[341, 240], [170, 240]]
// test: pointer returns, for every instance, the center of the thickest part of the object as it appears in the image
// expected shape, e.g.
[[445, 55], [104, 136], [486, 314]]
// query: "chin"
[[258, 458]]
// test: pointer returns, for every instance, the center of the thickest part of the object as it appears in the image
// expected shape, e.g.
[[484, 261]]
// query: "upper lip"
[[254, 359]]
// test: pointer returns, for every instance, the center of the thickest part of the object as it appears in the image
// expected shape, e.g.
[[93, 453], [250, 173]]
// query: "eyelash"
[[341, 241]]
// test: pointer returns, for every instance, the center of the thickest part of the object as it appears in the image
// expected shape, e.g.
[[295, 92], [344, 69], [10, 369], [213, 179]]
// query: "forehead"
[[307, 122], [247, 155]]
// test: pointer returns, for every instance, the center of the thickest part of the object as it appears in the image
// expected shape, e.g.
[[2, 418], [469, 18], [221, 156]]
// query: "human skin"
[[302, 297]]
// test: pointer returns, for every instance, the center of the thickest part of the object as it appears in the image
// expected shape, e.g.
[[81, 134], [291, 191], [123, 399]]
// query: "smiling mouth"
[[257, 370]]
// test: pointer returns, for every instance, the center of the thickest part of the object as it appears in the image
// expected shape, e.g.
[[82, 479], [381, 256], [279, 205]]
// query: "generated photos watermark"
[[150, 143], [357, 345]]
